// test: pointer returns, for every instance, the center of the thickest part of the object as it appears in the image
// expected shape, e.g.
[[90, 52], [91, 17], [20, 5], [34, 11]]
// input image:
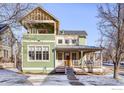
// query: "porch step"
[[60, 69]]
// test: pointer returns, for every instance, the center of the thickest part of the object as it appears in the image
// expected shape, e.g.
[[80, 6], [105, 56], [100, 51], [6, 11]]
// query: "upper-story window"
[[59, 41], [74, 41], [66, 41], [41, 31]]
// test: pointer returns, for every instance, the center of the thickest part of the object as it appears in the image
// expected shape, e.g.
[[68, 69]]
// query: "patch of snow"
[[8, 77], [56, 80], [99, 80]]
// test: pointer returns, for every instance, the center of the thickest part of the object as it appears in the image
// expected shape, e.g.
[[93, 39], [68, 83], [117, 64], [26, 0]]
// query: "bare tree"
[[111, 26], [11, 13]]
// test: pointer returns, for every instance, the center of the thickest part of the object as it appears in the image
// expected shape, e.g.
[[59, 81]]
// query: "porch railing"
[[91, 63], [76, 63]]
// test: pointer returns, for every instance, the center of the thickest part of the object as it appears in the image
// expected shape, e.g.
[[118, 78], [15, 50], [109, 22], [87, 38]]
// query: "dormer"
[[39, 21]]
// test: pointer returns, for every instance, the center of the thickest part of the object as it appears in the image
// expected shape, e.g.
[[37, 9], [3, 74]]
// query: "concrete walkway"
[[72, 78]]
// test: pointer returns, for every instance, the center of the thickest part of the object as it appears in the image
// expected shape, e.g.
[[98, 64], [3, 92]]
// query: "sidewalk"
[[72, 78]]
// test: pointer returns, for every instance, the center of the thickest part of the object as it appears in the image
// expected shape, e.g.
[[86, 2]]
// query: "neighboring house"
[[6, 46], [45, 48]]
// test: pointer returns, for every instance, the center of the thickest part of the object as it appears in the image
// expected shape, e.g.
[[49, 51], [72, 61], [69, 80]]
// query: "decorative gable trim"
[[39, 14]]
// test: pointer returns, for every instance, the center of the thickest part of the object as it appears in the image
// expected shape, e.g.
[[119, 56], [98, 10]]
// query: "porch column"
[[81, 58], [101, 58], [55, 27], [54, 58], [94, 57], [89, 56], [85, 57]]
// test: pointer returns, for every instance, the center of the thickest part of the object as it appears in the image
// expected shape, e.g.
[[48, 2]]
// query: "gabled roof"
[[3, 27], [73, 32], [42, 9]]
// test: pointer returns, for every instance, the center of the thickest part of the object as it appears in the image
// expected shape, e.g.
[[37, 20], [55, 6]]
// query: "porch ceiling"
[[84, 48]]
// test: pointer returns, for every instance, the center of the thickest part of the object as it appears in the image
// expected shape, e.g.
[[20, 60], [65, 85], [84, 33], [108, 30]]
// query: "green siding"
[[27, 63], [82, 41], [38, 64], [39, 37]]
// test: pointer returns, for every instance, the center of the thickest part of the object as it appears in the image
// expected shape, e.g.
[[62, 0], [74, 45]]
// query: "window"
[[67, 41], [38, 53], [6, 53], [45, 53], [74, 41], [41, 31], [32, 53], [59, 56], [66, 56], [74, 56], [60, 41], [5, 40]]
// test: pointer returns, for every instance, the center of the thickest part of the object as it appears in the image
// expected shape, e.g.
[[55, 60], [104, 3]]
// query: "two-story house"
[[7, 40], [45, 48]]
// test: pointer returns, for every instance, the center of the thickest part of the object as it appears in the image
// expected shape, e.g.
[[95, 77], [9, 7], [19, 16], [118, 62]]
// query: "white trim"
[[38, 21], [22, 55], [66, 37], [38, 34], [42, 54], [36, 68], [39, 41]]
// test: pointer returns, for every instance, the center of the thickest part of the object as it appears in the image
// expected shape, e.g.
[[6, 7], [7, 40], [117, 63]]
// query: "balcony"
[[39, 37]]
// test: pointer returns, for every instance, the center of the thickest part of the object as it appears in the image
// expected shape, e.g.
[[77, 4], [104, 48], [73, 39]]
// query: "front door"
[[67, 59]]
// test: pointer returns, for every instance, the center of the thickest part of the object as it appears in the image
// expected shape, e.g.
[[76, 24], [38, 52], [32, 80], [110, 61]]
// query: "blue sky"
[[77, 17]]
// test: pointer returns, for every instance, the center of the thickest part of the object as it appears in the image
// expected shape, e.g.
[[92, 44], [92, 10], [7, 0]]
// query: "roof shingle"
[[73, 32]]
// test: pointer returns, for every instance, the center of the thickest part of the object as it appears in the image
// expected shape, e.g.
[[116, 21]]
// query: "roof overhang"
[[78, 48]]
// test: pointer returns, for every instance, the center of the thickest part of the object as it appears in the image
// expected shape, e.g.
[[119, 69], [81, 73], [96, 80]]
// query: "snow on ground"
[[56, 80], [8, 78], [100, 80]]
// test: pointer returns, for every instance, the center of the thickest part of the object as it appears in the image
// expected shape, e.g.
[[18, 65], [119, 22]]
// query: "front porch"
[[81, 58]]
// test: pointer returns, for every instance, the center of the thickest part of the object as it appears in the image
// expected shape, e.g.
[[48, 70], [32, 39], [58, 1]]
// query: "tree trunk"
[[116, 70]]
